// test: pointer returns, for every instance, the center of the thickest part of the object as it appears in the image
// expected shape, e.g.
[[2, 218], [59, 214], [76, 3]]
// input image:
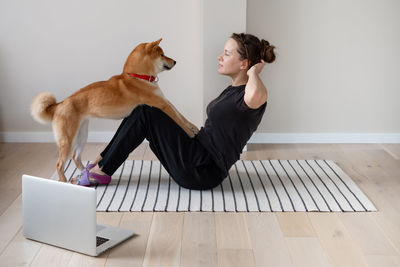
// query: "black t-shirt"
[[230, 124]]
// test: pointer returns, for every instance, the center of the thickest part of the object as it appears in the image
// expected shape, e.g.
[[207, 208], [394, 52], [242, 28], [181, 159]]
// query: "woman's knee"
[[137, 111], [138, 117]]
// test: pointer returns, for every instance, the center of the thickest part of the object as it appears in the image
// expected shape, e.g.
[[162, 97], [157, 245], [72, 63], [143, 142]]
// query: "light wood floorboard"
[[224, 239]]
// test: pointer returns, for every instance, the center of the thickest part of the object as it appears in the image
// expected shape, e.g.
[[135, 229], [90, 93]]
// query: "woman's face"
[[229, 62]]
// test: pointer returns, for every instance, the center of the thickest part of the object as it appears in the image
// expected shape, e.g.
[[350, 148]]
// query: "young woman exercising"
[[201, 162]]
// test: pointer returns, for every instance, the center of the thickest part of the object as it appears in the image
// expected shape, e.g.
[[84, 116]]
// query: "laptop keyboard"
[[100, 240]]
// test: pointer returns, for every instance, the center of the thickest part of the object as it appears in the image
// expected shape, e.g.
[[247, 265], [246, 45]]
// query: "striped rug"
[[262, 185]]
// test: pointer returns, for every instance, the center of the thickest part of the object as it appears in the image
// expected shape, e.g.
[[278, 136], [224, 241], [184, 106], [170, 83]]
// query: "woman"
[[201, 162]]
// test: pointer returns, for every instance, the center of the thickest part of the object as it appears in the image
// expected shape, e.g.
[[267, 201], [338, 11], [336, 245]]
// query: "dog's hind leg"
[[64, 149], [64, 130], [80, 142]]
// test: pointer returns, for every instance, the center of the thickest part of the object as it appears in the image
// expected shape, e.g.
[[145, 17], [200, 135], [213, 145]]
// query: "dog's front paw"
[[193, 129], [190, 133]]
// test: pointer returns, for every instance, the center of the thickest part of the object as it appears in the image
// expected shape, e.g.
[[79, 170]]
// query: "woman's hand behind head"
[[256, 69]]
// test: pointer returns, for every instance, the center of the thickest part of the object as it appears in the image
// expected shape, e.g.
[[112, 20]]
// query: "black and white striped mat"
[[262, 185]]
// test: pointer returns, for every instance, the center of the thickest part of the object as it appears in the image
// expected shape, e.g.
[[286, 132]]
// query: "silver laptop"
[[64, 215]]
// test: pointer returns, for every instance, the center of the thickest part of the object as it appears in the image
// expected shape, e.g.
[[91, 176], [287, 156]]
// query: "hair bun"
[[267, 51]]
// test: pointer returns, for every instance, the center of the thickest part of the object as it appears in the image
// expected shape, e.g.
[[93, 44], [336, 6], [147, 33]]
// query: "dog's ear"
[[157, 42], [153, 45]]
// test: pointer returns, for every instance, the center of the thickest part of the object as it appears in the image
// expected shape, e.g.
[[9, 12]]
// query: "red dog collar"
[[144, 77]]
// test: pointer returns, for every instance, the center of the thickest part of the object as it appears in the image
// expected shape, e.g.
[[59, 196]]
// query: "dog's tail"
[[43, 107]]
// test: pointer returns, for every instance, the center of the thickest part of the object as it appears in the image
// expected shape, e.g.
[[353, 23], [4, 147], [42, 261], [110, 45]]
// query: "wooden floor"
[[224, 239]]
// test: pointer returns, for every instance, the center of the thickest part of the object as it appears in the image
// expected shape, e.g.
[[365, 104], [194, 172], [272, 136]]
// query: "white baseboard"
[[267, 138], [47, 137], [328, 138]]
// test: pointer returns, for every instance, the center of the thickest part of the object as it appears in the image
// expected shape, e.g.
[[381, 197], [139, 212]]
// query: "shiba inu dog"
[[112, 99]]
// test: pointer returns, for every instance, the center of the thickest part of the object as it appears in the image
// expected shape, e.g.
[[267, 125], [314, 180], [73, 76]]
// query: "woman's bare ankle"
[[97, 169]]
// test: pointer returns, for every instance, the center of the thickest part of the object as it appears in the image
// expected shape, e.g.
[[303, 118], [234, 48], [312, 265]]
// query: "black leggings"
[[185, 159]]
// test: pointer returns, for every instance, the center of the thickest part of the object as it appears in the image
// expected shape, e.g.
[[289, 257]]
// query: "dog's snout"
[[174, 62]]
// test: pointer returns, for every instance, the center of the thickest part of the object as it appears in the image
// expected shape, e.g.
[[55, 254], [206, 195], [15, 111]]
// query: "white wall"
[[338, 65], [61, 46], [335, 74]]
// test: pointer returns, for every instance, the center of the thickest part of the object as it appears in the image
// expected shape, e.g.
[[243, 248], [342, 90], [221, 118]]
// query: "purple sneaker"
[[90, 178], [90, 166]]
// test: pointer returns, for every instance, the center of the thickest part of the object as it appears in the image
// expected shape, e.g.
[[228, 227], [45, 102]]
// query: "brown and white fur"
[[112, 99]]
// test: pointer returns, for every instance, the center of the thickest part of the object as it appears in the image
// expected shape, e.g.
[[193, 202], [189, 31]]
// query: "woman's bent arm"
[[256, 93]]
